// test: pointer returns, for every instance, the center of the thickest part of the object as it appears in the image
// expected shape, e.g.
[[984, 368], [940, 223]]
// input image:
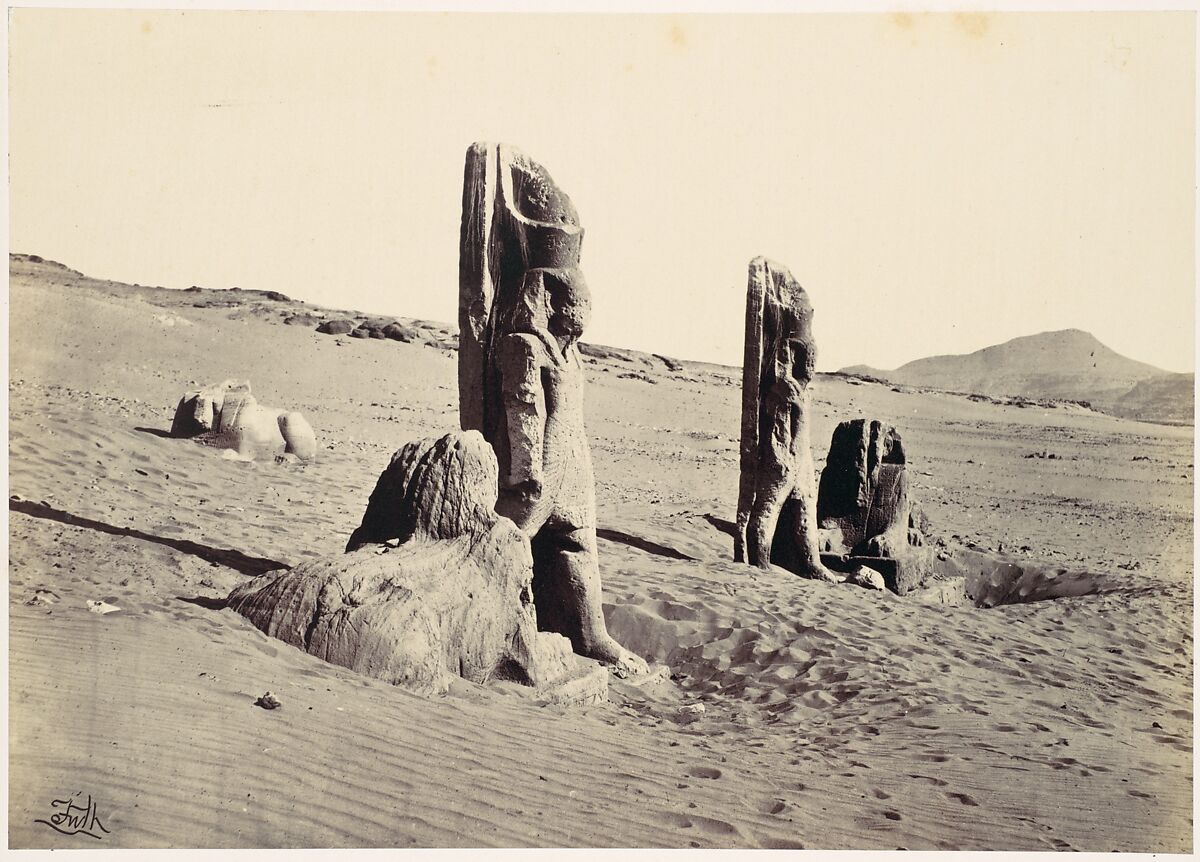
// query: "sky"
[[937, 182]]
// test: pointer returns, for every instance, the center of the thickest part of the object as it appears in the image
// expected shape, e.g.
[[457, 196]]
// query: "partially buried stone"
[[268, 701], [337, 327], [434, 584], [864, 488], [864, 576], [228, 415], [863, 507]]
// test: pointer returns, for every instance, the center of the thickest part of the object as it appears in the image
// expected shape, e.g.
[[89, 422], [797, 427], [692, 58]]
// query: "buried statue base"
[[864, 511], [869, 521], [435, 584]]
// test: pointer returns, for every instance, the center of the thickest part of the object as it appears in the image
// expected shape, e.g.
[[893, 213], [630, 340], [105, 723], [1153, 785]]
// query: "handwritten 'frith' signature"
[[72, 818]]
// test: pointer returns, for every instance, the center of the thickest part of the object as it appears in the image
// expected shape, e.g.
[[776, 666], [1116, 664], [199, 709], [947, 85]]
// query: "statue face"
[[803, 358], [569, 305]]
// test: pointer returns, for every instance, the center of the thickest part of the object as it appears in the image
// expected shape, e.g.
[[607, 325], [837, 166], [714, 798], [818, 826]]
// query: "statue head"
[[794, 352], [553, 301], [569, 304], [802, 357]]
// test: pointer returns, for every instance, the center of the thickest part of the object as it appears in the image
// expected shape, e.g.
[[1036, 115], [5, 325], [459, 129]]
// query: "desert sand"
[[833, 717]]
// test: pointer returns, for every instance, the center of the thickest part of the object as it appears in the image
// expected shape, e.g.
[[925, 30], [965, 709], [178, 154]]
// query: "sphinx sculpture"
[[434, 584], [777, 498], [228, 416], [523, 304]]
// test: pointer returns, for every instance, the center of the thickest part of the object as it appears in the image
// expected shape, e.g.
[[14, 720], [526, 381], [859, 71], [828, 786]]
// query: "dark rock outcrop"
[[399, 332], [342, 326]]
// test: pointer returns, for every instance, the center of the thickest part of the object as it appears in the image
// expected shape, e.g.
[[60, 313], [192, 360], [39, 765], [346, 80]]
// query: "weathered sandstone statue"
[[863, 505], [230, 417], [864, 489], [776, 517], [434, 584], [523, 303]]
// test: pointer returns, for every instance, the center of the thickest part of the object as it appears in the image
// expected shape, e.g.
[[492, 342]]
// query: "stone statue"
[[864, 490], [863, 505], [777, 518], [228, 416], [434, 584], [523, 304]]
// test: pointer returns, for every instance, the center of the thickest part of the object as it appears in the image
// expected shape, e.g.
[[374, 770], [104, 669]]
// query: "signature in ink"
[[70, 817]]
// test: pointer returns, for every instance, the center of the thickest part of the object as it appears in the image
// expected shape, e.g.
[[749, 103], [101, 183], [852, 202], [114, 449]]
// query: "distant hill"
[[272, 305], [1067, 364], [1166, 398], [1070, 365]]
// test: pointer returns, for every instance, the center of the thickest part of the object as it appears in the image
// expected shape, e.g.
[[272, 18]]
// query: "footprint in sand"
[[707, 825], [771, 805], [1056, 843], [936, 782], [781, 844], [962, 798]]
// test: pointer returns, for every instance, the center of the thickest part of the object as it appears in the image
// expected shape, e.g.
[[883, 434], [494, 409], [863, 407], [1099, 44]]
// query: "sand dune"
[[833, 717]]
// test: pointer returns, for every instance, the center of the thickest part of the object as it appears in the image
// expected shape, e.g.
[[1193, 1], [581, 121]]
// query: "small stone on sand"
[[268, 701]]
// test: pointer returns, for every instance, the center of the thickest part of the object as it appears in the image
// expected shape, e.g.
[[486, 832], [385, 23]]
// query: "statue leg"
[[808, 554], [566, 593], [799, 536], [773, 490]]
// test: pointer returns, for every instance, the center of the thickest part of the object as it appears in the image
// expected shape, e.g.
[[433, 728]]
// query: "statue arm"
[[525, 410], [780, 403]]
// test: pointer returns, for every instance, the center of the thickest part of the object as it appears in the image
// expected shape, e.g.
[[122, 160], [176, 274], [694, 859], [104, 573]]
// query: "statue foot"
[[820, 573], [620, 661]]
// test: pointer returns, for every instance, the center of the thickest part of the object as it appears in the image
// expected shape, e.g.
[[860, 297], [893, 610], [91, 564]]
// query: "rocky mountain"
[[1068, 364]]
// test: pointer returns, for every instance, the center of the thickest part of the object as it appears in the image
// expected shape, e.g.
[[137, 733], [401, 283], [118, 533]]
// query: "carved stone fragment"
[[228, 416], [864, 509], [435, 584]]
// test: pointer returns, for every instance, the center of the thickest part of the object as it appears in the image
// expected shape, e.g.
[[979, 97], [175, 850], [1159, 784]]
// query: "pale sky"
[[937, 182]]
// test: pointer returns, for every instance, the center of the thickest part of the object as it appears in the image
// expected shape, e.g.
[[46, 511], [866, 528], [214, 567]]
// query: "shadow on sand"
[[641, 544], [155, 432], [236, 560]]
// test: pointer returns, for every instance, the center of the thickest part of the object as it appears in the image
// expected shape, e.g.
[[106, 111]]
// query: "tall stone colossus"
[[523, 304], [777, 495]]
